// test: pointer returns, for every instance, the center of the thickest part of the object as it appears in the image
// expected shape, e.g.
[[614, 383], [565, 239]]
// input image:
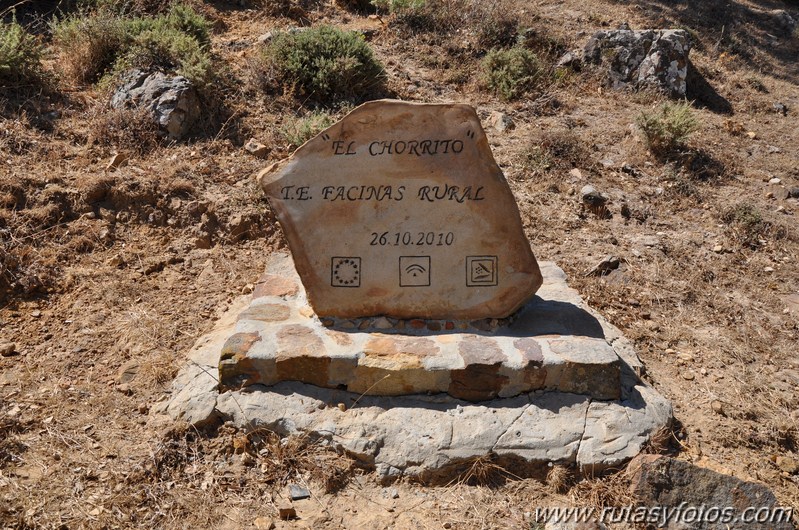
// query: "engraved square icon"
[[414, 271], [345, 272], [481, 271]]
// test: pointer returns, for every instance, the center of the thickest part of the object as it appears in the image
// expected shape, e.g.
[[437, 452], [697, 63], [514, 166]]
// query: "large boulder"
[[652, 57], [172, 101]]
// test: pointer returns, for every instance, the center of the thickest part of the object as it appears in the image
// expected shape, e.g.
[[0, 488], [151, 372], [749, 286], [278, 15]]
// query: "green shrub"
[[668, 128], [325, 64], [100, 42], [749, 227], [394, 6], [512, 73], [91, 43], [297, 131], [20, 55], [166, 48]]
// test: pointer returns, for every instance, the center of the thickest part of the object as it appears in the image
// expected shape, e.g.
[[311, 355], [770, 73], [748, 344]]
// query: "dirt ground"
[[110, 275]]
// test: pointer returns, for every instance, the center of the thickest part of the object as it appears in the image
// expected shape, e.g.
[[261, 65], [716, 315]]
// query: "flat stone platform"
[[552, 343], [435, 437]]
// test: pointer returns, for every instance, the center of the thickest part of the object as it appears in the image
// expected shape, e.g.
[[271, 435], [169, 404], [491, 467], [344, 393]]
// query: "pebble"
[[717, 406], [264, 523], [257, 149], [775, 180], [286, 512], [297, 492], [342, 407], [768, 269], [124, 388], [381, 323], [687, 357], [576, 173], [7, 349], [718, 249], [788, 464], [751, 134], [117, 160], [688, 376]]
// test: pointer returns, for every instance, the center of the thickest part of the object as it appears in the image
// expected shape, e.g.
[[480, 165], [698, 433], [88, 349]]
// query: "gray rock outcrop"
[[698, 498], [172, 101], [657, 58]]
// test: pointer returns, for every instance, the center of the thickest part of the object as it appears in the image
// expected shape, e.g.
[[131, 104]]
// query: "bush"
[[101, 42], [749, 227], [20, 55], [297, 131], [324, 64], [91, 43], [512, 73], [668, 128], [394, 6]]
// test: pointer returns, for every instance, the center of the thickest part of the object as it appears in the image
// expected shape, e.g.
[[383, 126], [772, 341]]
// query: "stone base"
[[433, 437], [552, 343]]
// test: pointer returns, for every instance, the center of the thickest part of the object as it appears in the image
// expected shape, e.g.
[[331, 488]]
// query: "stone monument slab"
[[399, 209], [552, 344]]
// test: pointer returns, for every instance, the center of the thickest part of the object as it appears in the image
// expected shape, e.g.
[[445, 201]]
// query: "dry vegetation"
[[108, 275]]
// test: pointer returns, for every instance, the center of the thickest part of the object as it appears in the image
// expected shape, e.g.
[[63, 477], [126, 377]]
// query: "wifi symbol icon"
[[414, 271]]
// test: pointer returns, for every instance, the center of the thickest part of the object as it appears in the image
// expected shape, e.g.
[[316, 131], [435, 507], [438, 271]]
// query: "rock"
[[117, 160], [382, 323], [413, 218], [792, 193], [718, 407], [608, 263], [718, 249], [576, 173], [775, 180], [286, 512], [128, 371], [688, 376], [788, 464], [264, 523], [591, 197], [297, 492], [751, 134], [782, 108], [172, 101], [500, 122], [768, 269], [124, 388], [570, 59], [257, 149], [670, 483], [785, 20], [651, 57], [7, 349]]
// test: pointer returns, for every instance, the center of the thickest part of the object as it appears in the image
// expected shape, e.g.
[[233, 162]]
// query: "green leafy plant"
[[512, 73], [297, 131], [669, 127], [20, 55], [324, 64], [394, 6], [100, 42]]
